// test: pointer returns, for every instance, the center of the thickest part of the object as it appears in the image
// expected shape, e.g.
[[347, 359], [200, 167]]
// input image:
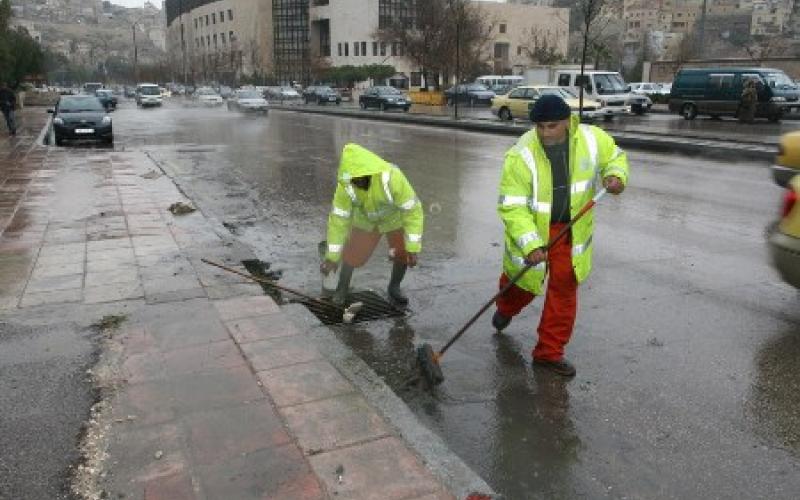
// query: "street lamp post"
[[458, 56], [135, 51]]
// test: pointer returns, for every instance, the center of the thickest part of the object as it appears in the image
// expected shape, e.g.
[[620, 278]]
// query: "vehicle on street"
[[225, 92], [249, 100], [148, 94], [321, 94], [784, 235], [500, 85], [130, 92], [79, 118], [471, 93], [606, 87], [517, 103], [282, 94], [90, 88], [383, 98], [107, 98], [646, 88], [206, 96], [717, 92]]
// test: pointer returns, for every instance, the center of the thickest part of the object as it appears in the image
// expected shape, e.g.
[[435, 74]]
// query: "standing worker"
[[372, 198], [548, 176], [8, 103], [749, 103]]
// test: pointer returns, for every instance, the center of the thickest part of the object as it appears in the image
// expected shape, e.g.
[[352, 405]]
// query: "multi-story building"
[[288, 38], [770, 17]]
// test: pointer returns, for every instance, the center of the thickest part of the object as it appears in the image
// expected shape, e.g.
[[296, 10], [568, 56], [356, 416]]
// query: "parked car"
[[282, 94], [518, 102], [225, 92], [81, 117], [148, 94], [247, 100], [384, 98], [321, 95], [718, 92], [606, 87], [471, 93], [207, 97], [130, 92], [107, 98], [784, 235], [646, 88], [90, 88]]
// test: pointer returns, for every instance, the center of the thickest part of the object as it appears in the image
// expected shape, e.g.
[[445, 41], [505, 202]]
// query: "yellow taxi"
[[784, 235], [517, 103]]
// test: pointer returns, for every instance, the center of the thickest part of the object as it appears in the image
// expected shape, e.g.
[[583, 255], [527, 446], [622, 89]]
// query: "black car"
[[107, 98], [384, 98], [321, 95], [472, 93], [81, 117]]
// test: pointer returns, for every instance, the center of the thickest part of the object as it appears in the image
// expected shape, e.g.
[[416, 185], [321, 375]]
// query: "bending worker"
[[547, 177], [372, 198]]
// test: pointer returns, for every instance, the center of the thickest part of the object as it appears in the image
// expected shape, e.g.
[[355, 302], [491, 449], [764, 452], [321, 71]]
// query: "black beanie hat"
[[550, 108]]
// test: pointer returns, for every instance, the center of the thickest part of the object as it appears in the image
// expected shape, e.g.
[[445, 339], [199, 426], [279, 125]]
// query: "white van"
[[148, 94], [500, 84], [606, 87]]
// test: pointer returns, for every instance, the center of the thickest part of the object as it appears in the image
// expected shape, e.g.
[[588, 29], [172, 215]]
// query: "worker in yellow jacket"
[[372, 198], [548, 176]]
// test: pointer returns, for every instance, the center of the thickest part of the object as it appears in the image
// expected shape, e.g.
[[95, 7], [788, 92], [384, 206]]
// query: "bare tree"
[[538, 44], [595, 17]]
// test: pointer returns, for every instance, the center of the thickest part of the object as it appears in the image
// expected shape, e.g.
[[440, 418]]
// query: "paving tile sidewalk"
[[220, 395]]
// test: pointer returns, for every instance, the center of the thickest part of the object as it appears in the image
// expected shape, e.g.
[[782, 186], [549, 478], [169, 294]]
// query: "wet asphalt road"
[[686, 344]]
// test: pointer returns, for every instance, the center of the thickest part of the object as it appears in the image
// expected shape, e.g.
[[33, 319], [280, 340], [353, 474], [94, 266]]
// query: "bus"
[[500, 84]]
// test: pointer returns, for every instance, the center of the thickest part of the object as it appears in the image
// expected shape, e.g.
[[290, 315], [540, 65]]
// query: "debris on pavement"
[[340, 473], [152, 174], [110, 322], [158, 454], [180, 208]]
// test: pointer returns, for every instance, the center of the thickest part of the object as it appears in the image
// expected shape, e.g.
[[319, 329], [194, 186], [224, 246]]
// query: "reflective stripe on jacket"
[[526, 195], [389, 204]]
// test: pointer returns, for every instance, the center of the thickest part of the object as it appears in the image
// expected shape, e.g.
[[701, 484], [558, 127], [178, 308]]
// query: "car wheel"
[[689, 111], [638, 109], [450, 101], [407, 108], [363, 105], [505, 114], [383, 106], [776, 117], [472, 103], [608, 118], [59, 141], [109, 140]]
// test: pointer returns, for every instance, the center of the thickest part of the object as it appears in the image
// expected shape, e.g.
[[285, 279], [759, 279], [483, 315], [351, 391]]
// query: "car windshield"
[[149, 91], [206, 92], [779, 80], [560, 92], [249, 94], [324, 90], [477, 87], [103, 92], [388, 91], [79, 104], [288, 90], [609, 83]]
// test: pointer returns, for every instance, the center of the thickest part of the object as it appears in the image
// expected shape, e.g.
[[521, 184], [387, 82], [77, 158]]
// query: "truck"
[[606, 87]]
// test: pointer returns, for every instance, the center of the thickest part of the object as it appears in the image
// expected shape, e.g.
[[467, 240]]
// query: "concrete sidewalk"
[[209, 390]]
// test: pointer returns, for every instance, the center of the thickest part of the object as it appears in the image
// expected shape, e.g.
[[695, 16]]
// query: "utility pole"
[[183, 42], [458, 54], [135, 55]]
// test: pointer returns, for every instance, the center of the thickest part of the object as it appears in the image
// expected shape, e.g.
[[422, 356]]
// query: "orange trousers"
[[560, 303]]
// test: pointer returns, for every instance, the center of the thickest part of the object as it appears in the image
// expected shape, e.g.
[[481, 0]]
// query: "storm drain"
[[374, 307]]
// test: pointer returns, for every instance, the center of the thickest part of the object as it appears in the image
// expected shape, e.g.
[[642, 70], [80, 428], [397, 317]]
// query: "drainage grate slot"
[[375, 306]]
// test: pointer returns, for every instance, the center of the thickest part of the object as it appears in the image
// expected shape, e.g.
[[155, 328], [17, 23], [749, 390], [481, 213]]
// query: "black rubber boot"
[[395, 294], [343, 288], [563, 367], [500, 322]]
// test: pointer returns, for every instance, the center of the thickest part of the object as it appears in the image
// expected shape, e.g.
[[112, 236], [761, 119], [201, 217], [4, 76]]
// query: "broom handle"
[[272, 284], [561, 234]]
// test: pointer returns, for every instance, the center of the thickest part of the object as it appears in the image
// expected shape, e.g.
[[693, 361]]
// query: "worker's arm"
[[339, 222], [413, 216], [613, 163], [513, 205]]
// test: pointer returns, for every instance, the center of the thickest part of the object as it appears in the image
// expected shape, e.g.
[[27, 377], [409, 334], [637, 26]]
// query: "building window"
[[222, 38], [230, 15], [355, 48], [195, 23], [340, 49], [383, 48], [394, 48], [374, 48], [215, 40], [206, 19], [391, 12], [519, 50], [208, 40], [502, 28], [222, 16], [364, 49], [230, 36], [346, 49], [213, 18]]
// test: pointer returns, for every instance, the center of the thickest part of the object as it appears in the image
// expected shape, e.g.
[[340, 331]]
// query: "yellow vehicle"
[[517, 103], [784, 235]]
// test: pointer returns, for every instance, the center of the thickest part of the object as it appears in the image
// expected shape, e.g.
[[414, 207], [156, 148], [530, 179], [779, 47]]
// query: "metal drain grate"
[[375, 306]]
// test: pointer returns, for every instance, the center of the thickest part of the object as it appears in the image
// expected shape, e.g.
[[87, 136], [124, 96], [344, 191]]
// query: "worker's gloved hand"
[[537, 256], [613, 184], [327, 266], [411, 260]]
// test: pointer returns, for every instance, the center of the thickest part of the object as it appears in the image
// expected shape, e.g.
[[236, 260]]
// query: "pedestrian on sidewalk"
[[372, 198], [547, 177], [8, 104], [749, 102]]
